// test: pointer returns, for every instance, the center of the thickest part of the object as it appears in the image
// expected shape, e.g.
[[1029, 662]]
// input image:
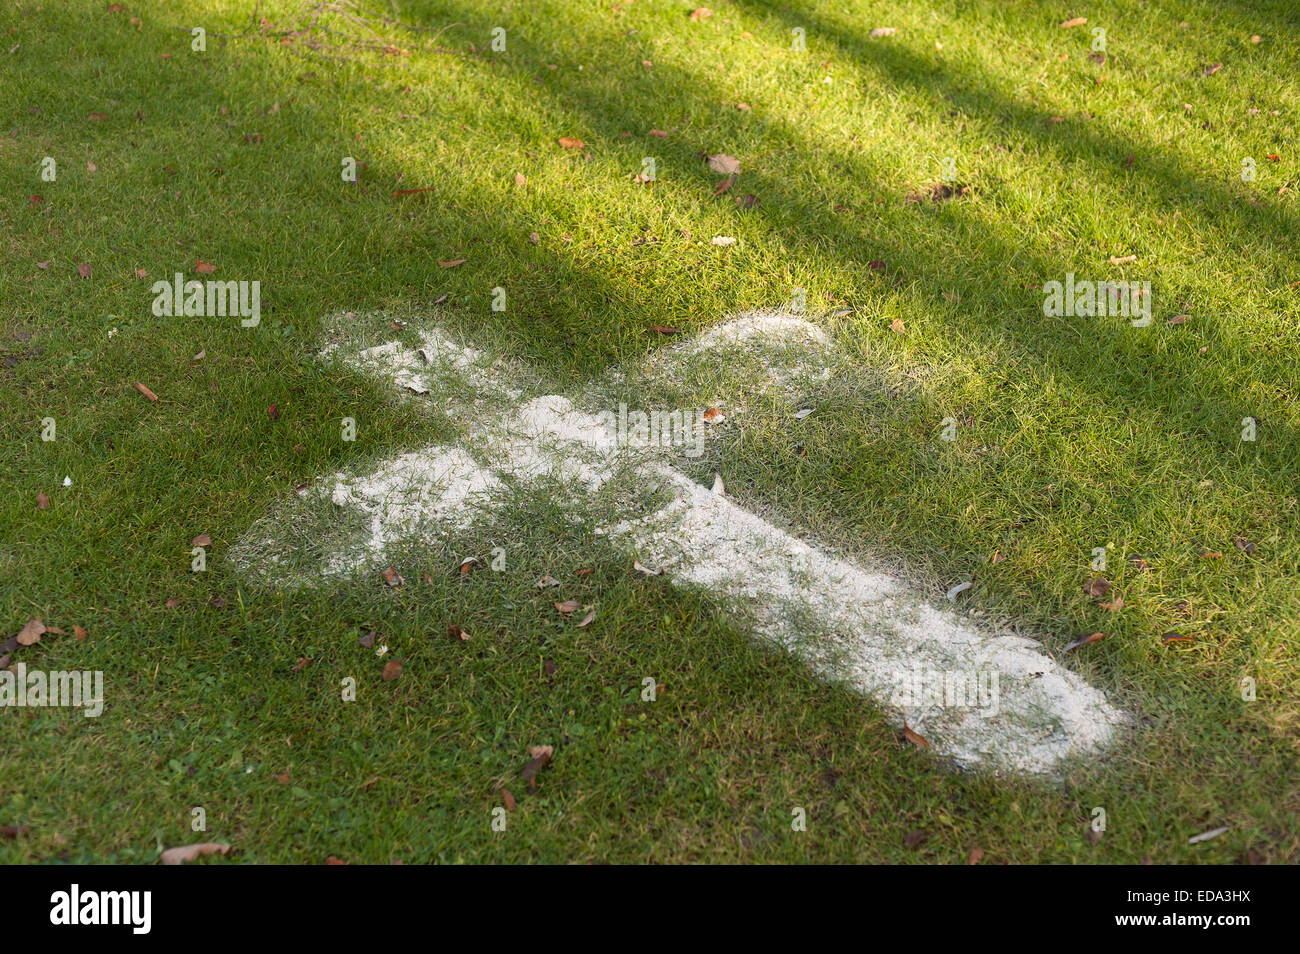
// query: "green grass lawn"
[[1073, 432]]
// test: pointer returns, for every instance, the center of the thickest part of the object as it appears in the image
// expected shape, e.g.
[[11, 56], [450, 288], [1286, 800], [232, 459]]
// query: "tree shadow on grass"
[[1129, 358]]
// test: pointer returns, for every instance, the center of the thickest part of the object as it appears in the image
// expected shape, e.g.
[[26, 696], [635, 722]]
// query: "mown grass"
[[1073, 432]]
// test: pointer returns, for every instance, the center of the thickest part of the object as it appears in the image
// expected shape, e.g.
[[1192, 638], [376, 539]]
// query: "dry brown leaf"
[[701, 13], [202, 540], [146, 392], [1077, 21], [1084, 641], [178, 856], [878, 32], [83, 270], [392, 577], [569, 142], [1097, 587], [1211, 70], [1122, 259], [1115, 604], [663, 329], [42, 500], [568, 606], [659, 133], [539, 755], [452, 264], [915, 737], [204, 268], [1178, 319], [975, 857], [724, 184], [507, 799], [896, 326], [521, 180], [31, 632], [392, 669], [724, 165], [545, 581], [714, 416], [586, 620], [78, 632]]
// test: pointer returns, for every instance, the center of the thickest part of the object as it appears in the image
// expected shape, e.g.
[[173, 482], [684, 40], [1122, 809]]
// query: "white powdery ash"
[[848, 622]]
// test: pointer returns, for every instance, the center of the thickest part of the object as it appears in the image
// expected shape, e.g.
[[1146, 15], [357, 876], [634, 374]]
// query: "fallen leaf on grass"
[[31, 632], [568, 606], [178, 856], [521, 180], [1178, 319], [1114, 605], [78, 633], [273, 412], [452, 264], [701, 13], [586, 620], [1122, 259], [724, 184], [1211, 70], [882, 31], [204, 268], [301, 664], [332, 860], [545, 581], [13, 831], [1084, 641], [714, 416], [42, 501], [401, 192], [1207, 835], [723, 240], [456, 633], [1175, 637], [896, 326], [202, 540], [568, 142], [368, 639], [83, 270], [975, 857], [392, 669], [659, 133], [507, 799], [915, 737], [585, 571], [539, 756], [724, 165], [146, 392], [1097, 587], [719, 487], [393, 578], [1075, 22], [200, 356], [747, 201], [636, 565], [98, 117], [172, 603], [663, 329]]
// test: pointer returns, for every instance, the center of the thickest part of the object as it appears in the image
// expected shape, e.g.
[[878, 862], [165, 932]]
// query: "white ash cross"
[[984, 698]]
